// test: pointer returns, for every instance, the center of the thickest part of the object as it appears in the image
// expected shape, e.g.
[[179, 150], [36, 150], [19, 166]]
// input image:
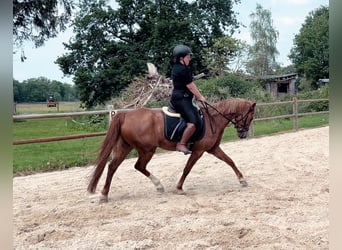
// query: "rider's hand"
[[202, 99]]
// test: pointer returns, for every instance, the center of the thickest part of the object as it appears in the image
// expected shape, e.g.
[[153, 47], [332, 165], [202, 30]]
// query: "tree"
[[310, 52], [100, 57], [263, 51], [281, 70], [17, 91], [39, 20], [222, 53], [39, 89], [111, 47]]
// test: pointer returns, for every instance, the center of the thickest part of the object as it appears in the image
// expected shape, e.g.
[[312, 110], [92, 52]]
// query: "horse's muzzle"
[[242, 134]]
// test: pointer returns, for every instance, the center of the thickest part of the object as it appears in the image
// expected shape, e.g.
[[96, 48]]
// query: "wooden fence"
[[295, 113], [36, 103], [110, 112]]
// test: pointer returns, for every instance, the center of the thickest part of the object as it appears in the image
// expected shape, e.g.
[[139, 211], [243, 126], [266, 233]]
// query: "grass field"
[[55, 155], [41, 108], [29, 158]]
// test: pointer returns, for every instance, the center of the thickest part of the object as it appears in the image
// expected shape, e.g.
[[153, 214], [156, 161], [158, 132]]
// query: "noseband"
[[234, 121]]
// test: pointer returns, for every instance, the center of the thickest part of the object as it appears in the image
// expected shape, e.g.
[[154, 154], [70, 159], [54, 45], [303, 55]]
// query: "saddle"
[[175, 126]]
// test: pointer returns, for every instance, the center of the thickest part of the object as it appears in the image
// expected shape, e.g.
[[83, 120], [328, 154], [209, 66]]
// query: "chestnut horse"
[[143, 130]]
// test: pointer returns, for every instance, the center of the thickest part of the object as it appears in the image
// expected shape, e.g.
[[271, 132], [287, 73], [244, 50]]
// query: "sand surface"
[[285, 205]]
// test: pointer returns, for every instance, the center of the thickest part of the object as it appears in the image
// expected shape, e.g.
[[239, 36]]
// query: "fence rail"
[[295, 115], [57, 138], [57, 115]]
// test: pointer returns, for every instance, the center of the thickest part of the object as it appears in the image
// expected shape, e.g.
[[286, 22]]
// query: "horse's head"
[[238, 111], [243, 119]]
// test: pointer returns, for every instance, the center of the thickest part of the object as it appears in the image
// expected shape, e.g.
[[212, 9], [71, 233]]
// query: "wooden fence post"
[[251, 129], [295, 114], [111, 113]]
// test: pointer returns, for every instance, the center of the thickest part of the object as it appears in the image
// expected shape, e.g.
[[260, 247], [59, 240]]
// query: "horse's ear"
[[253, 105]]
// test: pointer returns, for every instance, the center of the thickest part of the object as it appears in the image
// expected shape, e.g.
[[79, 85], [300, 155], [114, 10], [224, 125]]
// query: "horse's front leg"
[[218, 152], [189, 164]]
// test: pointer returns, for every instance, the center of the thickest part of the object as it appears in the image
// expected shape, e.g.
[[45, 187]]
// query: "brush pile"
[[152, 88], [149, 89]]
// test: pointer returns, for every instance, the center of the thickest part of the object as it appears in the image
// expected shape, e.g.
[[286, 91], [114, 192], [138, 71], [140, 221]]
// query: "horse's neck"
[[230, 108], [220, 119]]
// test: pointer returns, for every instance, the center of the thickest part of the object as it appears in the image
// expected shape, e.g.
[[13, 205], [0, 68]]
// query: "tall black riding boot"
[[188, 132]]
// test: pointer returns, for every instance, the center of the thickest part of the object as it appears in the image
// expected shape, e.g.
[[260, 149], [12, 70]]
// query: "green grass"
[[262, 128], [25, 129], [41, 108], [29, 158], [54, 155]]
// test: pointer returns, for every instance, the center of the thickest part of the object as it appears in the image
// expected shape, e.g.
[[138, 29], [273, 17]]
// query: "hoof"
[[179, 191], [244, 183], [103, 199], [160, 189]]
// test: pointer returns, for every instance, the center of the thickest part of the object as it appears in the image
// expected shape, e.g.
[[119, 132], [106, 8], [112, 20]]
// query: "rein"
[[206, 104]]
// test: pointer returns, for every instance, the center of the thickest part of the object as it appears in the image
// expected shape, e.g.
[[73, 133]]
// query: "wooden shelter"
[[279, 85]]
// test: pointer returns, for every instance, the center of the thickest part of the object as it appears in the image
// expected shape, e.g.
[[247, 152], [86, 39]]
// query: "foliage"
[[305, 84], [289, 69], [39, 89], [310, 53], [263, 51], [231, 85], [111, 47], [92, 123], [39, 20], [219, 56], [155, 91], [322, 93], [274, 110], [303, 107]]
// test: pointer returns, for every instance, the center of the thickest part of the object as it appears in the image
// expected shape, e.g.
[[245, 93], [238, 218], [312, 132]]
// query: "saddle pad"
[[175, 126]]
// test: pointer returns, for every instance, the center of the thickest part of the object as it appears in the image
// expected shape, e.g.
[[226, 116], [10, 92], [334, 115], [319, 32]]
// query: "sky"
[[287, 15]]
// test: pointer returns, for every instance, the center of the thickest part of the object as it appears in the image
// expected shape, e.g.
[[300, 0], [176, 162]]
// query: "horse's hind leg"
[[118, 156], [140, 165], [218, 152]]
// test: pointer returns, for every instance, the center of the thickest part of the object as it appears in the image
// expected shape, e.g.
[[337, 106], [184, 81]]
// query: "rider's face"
[[187, 59]]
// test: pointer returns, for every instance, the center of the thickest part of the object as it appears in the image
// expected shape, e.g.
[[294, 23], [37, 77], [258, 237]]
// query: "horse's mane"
[[232, 105]]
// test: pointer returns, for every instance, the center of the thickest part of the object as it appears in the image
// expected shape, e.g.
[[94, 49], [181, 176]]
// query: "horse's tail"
[[106, 148]]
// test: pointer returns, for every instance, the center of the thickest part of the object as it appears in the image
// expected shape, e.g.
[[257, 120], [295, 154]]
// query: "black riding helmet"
[[181, 51]]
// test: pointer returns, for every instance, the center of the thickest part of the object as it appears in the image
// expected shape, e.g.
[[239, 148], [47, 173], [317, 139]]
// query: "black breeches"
[[188, 111]]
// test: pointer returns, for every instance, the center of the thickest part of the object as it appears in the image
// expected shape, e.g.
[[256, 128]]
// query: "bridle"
[[240, 128]]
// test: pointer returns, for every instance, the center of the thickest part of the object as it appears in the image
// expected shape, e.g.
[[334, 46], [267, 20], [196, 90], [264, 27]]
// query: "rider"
[[184, 90]]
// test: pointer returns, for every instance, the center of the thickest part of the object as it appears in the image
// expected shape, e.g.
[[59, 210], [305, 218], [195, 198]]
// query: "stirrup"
[[185, 151]]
